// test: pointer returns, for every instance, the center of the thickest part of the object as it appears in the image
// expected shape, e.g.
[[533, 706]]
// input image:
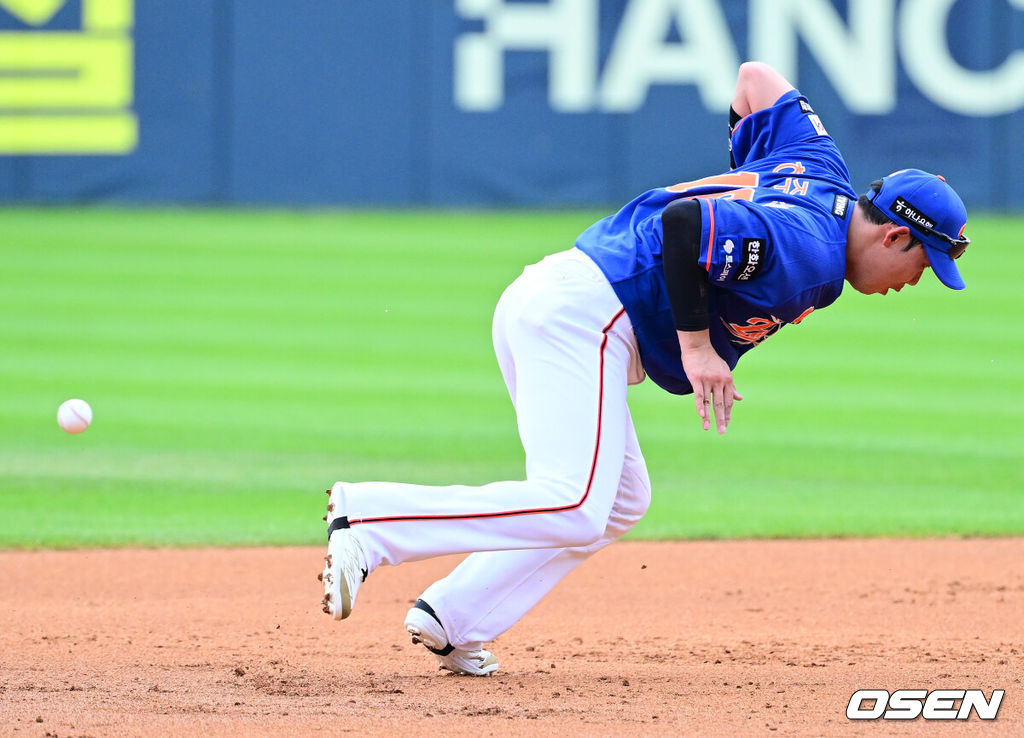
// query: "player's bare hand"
[[710, 377]]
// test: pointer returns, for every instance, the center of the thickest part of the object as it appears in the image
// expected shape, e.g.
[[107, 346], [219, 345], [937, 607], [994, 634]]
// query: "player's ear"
[[897, 235]]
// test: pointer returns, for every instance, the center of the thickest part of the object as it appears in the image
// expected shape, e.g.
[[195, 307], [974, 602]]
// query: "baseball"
[[74, 415]]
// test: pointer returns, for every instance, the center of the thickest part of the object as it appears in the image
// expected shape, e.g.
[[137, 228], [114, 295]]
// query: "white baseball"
[[74, 415]]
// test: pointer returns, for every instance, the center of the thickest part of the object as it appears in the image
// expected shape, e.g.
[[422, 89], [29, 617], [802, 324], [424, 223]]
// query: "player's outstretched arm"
[[710, 377], [687, 285], [758, 86]]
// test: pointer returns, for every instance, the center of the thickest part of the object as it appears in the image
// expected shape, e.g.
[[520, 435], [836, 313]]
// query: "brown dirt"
[[717, 638]]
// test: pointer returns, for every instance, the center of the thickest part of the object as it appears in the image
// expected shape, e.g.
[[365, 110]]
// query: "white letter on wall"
[[566, 29], [860, 60], [640, 56], [932, 68]]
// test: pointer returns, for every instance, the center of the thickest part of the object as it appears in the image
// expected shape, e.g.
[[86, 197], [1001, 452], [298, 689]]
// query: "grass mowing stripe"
[[240, 361]]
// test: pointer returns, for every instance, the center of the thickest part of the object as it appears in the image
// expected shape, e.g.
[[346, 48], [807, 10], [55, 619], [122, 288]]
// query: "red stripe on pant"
[[532, 511]]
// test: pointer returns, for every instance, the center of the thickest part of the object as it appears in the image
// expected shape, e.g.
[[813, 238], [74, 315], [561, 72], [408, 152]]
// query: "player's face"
[[891, 266], [907, 268]]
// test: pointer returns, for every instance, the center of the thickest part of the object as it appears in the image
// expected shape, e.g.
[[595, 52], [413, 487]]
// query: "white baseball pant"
[[567, 352]]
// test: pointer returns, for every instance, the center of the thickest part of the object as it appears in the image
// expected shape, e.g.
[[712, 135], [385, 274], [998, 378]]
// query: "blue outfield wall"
[[484, 102]]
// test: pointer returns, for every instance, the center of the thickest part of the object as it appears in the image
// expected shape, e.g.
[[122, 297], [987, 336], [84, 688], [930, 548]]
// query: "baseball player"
[[677, 285]]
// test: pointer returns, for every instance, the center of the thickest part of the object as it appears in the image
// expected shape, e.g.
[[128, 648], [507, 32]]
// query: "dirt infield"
[[702, 638]]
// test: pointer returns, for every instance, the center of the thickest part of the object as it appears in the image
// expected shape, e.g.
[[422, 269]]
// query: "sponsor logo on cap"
[[906, 211]]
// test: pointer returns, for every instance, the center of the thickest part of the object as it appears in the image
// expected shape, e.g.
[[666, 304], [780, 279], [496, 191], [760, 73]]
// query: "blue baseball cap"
[[933, 211]]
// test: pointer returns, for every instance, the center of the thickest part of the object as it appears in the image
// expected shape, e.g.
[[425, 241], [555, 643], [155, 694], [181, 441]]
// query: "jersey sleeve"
[[782, 260], [735, 242], [791, 120]]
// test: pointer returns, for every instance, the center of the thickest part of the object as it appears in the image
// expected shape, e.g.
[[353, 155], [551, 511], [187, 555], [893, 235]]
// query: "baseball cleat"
[[424, 626], [344, 565]]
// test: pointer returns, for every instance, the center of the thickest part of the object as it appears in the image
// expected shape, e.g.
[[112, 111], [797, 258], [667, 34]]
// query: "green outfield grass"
[[238, 363]]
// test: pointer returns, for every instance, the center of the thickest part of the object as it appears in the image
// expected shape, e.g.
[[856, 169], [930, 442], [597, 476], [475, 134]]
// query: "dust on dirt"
[[681, 638]]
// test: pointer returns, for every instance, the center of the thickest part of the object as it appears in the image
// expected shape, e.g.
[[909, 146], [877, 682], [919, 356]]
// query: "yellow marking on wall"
[[68, 92], [33, 12], [109, 15], [65, 70], [114, 133]]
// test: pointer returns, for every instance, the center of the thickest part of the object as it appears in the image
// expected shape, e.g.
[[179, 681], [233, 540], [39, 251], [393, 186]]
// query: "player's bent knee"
[[626, 519], [583, 520], [587, 527], [634, 493]]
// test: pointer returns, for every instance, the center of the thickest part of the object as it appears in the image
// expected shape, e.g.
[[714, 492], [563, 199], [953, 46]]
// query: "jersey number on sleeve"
[[729, 186]]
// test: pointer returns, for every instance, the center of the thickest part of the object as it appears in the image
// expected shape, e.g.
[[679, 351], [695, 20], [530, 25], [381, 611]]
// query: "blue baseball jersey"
[[773, 240]]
